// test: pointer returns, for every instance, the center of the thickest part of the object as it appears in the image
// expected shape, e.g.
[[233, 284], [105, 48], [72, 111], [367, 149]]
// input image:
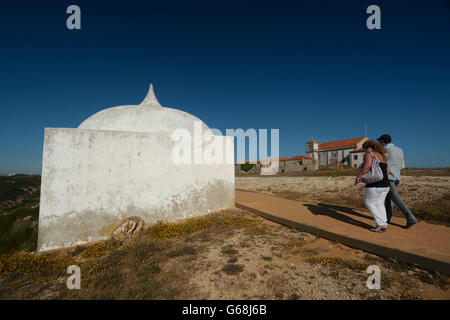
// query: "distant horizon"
[[281, 156], [38, 174]]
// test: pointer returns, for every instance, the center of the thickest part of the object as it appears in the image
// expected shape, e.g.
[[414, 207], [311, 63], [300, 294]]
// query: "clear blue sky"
[[309, 68]]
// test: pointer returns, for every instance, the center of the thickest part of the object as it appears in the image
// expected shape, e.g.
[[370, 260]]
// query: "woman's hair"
[[375, 146]]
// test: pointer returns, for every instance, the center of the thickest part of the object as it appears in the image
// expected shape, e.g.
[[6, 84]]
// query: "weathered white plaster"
[[118, 164]]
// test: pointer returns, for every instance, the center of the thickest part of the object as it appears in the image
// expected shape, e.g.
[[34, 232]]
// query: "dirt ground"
[[232, 254], [283, 263], [427, 196]]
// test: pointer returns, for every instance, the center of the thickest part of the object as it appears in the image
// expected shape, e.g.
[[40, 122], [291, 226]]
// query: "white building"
[[357, 157], [324, 154]]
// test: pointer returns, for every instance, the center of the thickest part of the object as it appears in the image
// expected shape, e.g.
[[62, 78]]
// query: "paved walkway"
[[426, 245]]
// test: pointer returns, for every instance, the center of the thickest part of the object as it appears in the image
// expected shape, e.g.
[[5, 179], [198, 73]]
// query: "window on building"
[[355, 157]]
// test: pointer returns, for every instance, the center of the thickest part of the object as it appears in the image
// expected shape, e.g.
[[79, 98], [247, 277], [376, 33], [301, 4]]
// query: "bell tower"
[[312, 150]]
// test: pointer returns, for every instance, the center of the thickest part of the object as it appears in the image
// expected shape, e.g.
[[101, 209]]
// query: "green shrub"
[[12, 187], [246, 166]]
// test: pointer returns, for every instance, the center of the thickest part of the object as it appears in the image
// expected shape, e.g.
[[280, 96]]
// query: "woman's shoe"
[[378, 229]]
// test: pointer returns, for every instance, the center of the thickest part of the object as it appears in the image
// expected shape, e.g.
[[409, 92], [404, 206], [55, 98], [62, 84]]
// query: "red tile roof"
[[299, 157], [340, 143]]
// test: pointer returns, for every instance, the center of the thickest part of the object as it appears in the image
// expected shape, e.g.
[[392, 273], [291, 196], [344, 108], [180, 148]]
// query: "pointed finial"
[[150, 100]]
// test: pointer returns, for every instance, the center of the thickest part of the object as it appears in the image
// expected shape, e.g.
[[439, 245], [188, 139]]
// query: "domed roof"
[[149, 116]]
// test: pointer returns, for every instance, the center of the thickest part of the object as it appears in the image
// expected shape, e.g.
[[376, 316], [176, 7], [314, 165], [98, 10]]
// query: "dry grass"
[[416, 172], [226, 255], [116, 269], [26, 263], [310, 173], [430, 172], [427, 196], [232, 268], [219, 256], [435, 210]]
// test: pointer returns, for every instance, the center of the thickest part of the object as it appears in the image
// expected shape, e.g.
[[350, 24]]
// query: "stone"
[[129, 227]]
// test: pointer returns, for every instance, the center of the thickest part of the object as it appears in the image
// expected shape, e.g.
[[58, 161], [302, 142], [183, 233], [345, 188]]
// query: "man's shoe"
[[410, 224]]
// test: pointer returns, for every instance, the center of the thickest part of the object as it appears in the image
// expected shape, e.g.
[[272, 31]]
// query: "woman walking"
[[375, 192]]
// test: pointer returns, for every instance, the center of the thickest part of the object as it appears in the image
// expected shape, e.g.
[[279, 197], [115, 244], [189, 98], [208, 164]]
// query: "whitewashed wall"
[[92, 179]]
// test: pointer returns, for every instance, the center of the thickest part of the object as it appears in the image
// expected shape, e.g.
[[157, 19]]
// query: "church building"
[[327, 153]]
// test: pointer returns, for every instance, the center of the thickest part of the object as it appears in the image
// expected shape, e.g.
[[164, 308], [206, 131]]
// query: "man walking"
[[395, 162]]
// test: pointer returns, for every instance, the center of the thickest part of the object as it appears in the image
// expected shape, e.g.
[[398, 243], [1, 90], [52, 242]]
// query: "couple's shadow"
[[334, 212]]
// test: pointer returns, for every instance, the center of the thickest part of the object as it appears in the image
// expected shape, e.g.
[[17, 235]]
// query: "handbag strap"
[[373, 157]]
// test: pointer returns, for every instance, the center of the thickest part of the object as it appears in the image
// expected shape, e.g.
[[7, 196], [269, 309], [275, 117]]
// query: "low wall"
[[92, 180]]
